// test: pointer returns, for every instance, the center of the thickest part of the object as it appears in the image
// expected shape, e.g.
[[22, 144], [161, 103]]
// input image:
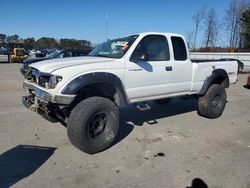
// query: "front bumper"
[[44, 96]]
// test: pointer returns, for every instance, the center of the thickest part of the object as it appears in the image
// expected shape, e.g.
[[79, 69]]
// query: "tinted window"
[[79, 54], [155, 47], [179, 47], [67, 54]]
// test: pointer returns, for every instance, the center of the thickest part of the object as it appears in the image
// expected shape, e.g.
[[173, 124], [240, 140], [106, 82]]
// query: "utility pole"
[[106, 29], [106, 21]]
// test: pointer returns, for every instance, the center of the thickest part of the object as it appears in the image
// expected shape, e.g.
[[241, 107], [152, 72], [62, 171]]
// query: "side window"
[[154, 47], [179, 47]]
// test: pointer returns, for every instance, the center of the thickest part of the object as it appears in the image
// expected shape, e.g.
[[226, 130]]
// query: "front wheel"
[[213, 103], [93, 124]]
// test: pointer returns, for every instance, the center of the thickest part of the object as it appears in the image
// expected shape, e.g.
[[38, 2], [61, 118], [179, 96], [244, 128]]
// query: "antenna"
[[106, 21]]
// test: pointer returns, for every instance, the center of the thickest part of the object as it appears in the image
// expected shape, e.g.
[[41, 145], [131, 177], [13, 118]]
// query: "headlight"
[[53, 81]]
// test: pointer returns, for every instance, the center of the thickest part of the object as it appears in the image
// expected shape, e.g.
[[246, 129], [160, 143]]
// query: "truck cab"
[[156, 67]]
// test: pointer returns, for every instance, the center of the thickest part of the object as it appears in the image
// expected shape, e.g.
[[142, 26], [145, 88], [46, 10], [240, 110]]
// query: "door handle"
[[168, 68]]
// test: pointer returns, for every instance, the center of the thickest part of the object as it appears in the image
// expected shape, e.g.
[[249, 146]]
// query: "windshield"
[[114, 48], [19, 52]]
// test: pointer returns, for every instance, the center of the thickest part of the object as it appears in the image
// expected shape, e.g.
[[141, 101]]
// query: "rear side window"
[[179, 47], [155, 47]]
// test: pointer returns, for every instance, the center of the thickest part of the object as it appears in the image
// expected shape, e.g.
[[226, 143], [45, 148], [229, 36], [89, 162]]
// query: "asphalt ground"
[[167, 146]]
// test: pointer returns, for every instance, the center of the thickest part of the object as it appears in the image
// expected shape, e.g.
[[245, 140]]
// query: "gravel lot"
[[168, 146]]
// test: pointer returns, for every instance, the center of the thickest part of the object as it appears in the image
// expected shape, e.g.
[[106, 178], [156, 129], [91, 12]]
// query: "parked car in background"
[[3, 51], [4, 55], [56, 54], [36, 54]]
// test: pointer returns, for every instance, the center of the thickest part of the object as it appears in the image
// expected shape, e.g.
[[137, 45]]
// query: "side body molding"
[[100, 77], [218, 75]]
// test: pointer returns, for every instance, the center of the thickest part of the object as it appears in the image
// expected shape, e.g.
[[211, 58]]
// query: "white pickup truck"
[[87, 92]]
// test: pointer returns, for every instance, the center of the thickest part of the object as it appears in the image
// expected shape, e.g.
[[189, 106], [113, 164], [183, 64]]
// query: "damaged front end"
[[50, 105], [44, 109]]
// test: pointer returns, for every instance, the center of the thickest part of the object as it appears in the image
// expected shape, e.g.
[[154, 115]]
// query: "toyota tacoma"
[[86, 92]]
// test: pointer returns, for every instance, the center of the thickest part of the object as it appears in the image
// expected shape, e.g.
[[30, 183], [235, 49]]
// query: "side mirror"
[[139, 57]]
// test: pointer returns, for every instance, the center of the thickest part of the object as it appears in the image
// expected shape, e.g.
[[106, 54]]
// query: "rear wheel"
[[212, 104], [93, 124]]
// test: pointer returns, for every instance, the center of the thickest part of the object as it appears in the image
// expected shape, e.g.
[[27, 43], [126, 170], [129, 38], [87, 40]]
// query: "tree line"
[[234, 28], [46, 42]]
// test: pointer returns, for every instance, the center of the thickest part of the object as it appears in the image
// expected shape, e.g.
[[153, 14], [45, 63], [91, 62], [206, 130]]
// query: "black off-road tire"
[[212, 104], [93, 124], [163, 101]]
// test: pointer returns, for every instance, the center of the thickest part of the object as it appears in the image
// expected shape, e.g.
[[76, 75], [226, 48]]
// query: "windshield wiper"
[[102, 56]]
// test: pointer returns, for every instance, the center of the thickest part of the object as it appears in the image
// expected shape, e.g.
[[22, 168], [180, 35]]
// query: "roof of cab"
[[159, 33]]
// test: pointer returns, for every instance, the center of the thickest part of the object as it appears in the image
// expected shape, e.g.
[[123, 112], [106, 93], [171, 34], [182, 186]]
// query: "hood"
[[33, 60], [49, 66]]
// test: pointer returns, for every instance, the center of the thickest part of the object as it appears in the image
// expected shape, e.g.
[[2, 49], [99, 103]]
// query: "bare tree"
[[211, 28], [233, 26], [190, 39], [245, 21], [197, 19]]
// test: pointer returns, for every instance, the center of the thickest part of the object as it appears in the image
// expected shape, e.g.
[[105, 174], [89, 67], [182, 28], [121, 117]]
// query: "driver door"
[[148, 68]]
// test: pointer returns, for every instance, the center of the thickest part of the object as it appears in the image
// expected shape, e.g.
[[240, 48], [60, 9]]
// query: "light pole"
[[106, 21]]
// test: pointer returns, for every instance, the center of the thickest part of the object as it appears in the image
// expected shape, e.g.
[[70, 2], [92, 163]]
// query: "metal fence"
[[244, 57]]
